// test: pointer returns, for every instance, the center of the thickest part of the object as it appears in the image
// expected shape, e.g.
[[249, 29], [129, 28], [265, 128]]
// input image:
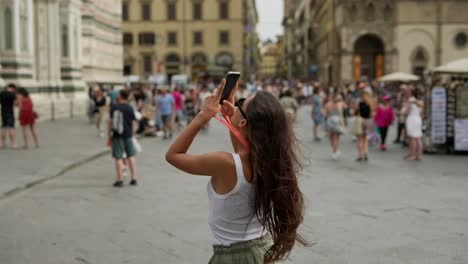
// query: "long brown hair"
[[279, 204]]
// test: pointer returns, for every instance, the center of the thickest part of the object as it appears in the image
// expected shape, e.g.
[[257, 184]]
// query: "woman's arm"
[[210, 164]]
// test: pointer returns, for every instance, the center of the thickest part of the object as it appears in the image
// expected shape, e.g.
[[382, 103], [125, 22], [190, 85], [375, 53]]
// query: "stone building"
[[55, 48], [192, 37], [269, 64], [362, 39]]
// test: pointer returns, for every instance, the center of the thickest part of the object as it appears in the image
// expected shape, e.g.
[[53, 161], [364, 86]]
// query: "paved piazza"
[[387, 211]]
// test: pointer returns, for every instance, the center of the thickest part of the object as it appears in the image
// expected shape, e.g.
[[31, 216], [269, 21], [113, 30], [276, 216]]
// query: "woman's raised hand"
[[211, 105]]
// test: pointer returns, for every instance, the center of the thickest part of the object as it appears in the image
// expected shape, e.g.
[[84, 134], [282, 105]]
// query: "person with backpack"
[[122, 123], [256, 205]]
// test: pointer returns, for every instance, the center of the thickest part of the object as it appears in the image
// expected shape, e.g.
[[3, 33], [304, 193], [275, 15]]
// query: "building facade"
[[363, 40], [192, 37], [55, 48], [272, 59]]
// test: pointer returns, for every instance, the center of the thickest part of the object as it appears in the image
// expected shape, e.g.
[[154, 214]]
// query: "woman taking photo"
[[414, 126], [255, 202], [364, 110]]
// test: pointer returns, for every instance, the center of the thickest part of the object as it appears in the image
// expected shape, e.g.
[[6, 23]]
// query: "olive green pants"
[[248, 252]]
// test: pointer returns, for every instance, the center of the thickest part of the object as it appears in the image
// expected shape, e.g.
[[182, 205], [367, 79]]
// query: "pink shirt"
[[178, 100], [384, 116]]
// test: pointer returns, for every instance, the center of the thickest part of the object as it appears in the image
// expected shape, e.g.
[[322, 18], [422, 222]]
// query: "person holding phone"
[[246, 185], [414, 131]]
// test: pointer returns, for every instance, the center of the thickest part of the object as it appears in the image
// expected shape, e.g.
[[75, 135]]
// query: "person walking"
[[190, 105], [27, 117], [317, 112], [99, 109], [179, 105], [401, 115], [166, 107], [333, 113], [113, 94], [384, 117], [8, 102], [122, 123], [289, 105], [246, 185], [414, 126], [364, 110]]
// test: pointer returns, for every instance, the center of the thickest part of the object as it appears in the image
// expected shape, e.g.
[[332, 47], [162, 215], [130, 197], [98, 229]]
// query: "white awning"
[[457, 66], [398, 77]]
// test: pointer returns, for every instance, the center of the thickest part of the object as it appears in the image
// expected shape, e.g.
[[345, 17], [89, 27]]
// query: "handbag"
[[36, 115], [356, 129]]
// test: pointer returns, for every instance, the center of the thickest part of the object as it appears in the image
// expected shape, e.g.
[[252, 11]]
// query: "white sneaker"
[[333, 156], [338, 154]]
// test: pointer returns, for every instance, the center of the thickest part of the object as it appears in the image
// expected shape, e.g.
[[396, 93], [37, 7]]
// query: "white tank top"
[[232, 218]]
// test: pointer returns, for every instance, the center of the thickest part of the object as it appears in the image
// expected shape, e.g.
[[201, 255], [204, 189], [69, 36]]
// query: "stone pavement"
[[65, 143], [385, 212]]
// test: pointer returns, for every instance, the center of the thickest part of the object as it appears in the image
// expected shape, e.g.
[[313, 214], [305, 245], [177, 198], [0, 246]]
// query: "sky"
[[270, 15]]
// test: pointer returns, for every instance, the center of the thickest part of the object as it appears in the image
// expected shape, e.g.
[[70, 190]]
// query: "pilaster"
[[48, 48]]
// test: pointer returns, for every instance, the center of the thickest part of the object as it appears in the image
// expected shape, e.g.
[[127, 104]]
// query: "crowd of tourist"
[[367, 111], [364, 110]]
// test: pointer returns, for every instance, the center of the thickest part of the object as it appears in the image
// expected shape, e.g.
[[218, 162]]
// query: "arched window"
[[172, 59], [198, 58], [388, 12], [370, 11], [419, 60], [8, 23], [224, 59], [65, 42], [172, 63]]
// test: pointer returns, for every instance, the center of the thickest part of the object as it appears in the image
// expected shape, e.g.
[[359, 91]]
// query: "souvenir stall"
[[447, 109]]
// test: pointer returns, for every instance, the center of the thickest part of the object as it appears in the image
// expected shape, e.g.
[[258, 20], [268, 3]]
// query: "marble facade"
[[57, 48]]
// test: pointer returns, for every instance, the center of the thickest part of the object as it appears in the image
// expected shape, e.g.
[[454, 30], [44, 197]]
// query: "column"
[[48, 48]]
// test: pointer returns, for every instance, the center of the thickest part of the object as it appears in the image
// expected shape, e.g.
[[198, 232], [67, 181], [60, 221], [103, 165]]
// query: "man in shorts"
[[122, 123], [166, 109], [8, 101]]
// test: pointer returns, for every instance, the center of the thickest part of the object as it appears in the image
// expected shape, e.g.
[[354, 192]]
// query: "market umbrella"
[[398, 77], [457, 66]]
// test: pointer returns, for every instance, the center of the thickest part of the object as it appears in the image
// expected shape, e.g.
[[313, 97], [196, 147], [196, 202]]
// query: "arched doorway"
[[368, 58], [224, 59], [172, 65], [199, 63]]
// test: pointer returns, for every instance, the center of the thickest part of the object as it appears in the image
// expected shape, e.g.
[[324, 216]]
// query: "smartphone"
[[231, 80]]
